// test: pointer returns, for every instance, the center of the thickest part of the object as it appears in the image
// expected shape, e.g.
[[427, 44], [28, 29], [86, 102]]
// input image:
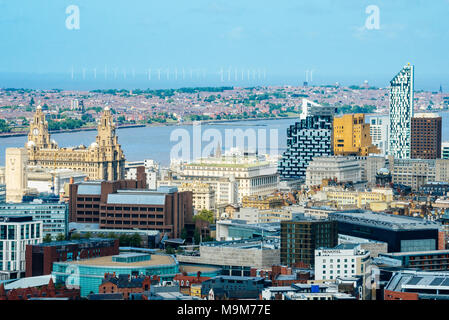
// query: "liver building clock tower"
[[102, 160], [38, 135]]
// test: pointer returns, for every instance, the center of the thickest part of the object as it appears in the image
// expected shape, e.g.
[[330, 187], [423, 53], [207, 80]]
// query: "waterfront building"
[[102, 160], [15, 234], [352, 136], [401, 113], [426, 136], [379, 130], [343, 169], [15, 174], [54, 216], [302, 235], [310, 137]]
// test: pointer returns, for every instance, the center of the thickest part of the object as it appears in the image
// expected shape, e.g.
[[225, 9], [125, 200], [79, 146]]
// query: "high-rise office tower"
[[310, 137], [401, 112], [426, 136]]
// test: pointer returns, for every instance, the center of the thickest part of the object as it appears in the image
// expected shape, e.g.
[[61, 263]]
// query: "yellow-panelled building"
[[359, 199], [352, 136], [102, 160]]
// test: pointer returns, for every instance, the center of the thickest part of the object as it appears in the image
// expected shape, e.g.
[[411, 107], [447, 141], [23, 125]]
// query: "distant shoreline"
[[158, 124], [25, 133]]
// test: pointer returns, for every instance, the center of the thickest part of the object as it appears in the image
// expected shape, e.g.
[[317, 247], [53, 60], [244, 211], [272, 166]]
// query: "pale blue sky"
[[282, 37]]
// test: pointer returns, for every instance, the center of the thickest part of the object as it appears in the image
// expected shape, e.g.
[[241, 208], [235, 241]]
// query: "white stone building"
[[344, 169]]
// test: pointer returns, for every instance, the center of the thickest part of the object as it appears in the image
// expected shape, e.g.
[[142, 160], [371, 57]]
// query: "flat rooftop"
[[382, 220], [156, 259], [414, 253]]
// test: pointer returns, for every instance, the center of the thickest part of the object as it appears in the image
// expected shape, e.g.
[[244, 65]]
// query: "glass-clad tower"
[[401, 113]]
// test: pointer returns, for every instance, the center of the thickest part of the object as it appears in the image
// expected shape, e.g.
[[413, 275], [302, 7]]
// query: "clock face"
[[36, 131]]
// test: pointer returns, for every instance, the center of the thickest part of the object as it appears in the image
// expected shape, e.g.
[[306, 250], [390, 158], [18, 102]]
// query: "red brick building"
[[394, 295], [40, 257], [425, 136], [185, 281], [48, 291], [125, 204], [125, 284], [281, 275]]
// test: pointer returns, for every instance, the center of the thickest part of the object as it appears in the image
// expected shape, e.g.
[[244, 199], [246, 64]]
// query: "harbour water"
[[153, 142]]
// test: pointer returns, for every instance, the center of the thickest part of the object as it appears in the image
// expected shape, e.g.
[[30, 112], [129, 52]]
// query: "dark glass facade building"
[[301, 236], [401, 233]]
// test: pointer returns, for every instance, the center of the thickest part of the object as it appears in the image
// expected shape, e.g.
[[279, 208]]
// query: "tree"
[[47, 238], [112, 235], [123, 240], [205, 215], [60, 237], [135, 240], [184, 233], [169, 250], [75, 236], [197, 236]]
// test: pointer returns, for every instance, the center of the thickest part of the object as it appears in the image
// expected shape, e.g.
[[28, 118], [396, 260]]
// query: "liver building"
[[102, 160]]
